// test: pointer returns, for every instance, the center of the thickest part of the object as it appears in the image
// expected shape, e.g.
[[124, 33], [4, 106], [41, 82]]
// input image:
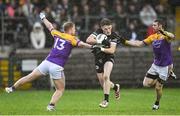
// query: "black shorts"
[[99, 63], [155, 77]]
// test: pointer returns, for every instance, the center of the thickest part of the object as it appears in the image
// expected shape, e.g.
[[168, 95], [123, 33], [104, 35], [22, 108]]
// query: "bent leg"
[[60, 86], [149, 82], [28, 78]]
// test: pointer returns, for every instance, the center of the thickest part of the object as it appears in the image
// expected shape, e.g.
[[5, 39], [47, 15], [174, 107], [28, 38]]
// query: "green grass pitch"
[[85, 102]]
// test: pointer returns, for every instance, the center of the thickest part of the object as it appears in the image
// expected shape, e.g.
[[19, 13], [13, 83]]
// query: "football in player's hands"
[[106, 42], [100, 38]]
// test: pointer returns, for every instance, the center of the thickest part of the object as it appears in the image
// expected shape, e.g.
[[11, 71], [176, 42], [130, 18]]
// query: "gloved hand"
[[96, 49], [42, 15], [105, 42]]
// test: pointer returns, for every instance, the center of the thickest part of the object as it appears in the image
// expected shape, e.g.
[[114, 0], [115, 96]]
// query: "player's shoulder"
[[152, 36], [98, 31], [114, 34]]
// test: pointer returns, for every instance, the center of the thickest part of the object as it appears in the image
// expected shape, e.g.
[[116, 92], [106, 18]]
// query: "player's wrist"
[[126, 42]]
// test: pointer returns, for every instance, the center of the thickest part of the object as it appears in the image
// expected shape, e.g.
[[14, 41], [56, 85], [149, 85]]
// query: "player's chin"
[[108, 33], [155, 30]]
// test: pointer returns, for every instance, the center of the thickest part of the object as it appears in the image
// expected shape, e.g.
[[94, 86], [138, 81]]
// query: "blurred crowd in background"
[[131, 18]]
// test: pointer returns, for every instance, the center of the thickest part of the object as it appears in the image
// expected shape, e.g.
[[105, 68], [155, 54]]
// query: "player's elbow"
[[111, 51], [88, 40]]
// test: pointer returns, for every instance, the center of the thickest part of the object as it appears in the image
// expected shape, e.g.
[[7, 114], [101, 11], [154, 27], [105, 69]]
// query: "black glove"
[[106, 42], [96, 49], [121, 39]]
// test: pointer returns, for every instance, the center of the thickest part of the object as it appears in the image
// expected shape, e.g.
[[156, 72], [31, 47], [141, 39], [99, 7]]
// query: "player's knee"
[[106, 77], [60, 89], [158, 87], [146, 84]]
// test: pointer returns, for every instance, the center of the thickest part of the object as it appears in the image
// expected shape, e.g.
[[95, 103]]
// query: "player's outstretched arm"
[[48, 24], [135, 43], [84, 45]]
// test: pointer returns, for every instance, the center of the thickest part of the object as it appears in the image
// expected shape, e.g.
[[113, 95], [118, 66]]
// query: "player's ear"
[[160, 26]]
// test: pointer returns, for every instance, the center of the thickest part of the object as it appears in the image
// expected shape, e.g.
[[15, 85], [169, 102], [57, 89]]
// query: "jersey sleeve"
[[114, 38], [55, 32], [98, 31], [148, 40], [65, 36]]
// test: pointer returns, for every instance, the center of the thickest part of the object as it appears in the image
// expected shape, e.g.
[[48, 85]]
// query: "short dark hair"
[[68, 25], [105, 21], [160, 21]]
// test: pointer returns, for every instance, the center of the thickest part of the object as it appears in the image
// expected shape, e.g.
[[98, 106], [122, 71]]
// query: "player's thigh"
[[56, 72], [151, 76], [99, 65], [35, 74], [148, 82], [44, 67]]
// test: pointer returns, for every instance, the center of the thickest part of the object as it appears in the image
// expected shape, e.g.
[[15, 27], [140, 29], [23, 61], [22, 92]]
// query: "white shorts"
[[55, 71], [161, 71]]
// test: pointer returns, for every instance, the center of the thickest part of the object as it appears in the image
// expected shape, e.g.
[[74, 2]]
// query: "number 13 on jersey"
[[59, 44]]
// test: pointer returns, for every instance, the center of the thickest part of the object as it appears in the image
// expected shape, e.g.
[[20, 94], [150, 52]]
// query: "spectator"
[[103, 12], [120, 18], [38, 36], [9, 9], [27, 8], [2, 6], [147, 15], [131, 32], [76, 16]]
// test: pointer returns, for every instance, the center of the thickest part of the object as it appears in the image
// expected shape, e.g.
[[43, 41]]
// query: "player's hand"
[[96, 49], [121, 39], [42, 15]]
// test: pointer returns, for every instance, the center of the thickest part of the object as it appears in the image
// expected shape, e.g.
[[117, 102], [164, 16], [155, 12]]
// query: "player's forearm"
[[108, 50], [84, 45], [48, 24], [134, 43]]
